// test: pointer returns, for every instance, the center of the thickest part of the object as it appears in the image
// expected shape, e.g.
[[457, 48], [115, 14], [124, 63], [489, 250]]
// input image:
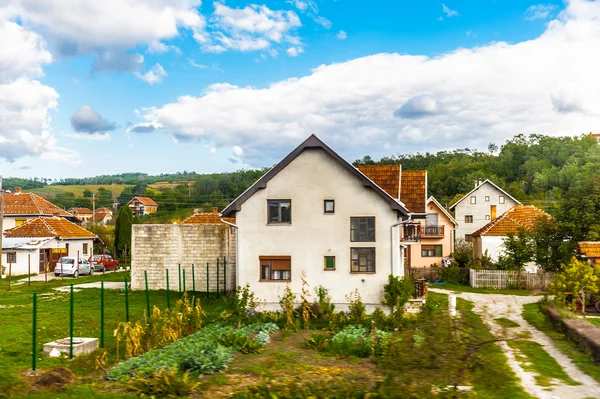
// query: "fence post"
[[147, 295], [77, 263], [183, 292], [29, 270], [193, 280], [126, 300], [34, 333], [9, 271], [102, 314], [71, 325], [225, 275], [179, 278], [217, 278], [168, 295], [207, 282]]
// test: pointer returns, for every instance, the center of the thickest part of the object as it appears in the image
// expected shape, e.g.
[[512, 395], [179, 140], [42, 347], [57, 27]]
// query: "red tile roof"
[[589, 249], [385, 176], [145, 201], [79, 211], [20, 203], [101, 214], [413, 190], [207, 218], [49, 227], [516, 218]]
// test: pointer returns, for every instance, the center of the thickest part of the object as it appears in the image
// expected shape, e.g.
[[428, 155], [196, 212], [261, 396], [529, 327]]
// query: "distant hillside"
[[52, 191]]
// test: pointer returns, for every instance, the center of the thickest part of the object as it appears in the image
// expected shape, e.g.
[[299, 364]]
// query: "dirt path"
[[493, 306]]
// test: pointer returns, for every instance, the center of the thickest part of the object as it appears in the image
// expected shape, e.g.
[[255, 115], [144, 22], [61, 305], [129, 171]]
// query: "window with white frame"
[[473, 199], [487, 198], [501, 199]]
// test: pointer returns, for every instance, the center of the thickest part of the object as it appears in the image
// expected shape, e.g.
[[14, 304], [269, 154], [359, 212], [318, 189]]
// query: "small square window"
[[468, 218], [362, 229], [329, 206], [330, 263], [280, 211], [487, 217], [473, 199], [501, 199], [11, 257], [468, 238], [362, 260], [487, 198]]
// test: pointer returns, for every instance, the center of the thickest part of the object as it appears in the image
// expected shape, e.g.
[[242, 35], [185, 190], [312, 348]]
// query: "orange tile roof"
[[20, 203], [101, 214], [85, 211], [44, 226], [517, 217], [413, 190], [589, 249], [103, 209], [207, 218], [385, 176], [145, 201]]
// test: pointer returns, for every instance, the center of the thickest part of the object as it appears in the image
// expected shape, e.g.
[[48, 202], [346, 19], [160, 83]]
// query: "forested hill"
[[535, 169]]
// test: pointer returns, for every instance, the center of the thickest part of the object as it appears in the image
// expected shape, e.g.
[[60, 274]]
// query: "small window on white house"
[[473, 199], [85, 249], [487, 217], [329, 206], [11, 257], [468, 218], [468, 238], [487, 198], [501, 199]]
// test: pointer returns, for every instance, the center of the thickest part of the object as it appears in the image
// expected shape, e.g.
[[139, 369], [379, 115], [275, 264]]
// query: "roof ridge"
[[48, 226], [34, 199]]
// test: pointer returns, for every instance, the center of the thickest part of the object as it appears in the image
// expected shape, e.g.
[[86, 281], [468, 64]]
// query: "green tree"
[[518, 251], [123, 230], [551, 247], [578, 278]]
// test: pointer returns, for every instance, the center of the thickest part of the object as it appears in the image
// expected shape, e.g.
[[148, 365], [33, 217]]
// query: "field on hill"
[[51, 191]]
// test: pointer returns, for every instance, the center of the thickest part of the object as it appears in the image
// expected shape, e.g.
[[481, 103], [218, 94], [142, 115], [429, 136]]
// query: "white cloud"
[[196, 65], [237, 151], [22, 53], [213, 150], [91, 137], [250, 28], [480, 95], [449, 13], [539, 11], [157, 47], [294, 51], [87, 120], [310, 8], [341, 35], [154, 75]]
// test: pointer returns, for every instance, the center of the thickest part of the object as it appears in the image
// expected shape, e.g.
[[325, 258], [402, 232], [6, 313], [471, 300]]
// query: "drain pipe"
[[393, 238], [237, 249]]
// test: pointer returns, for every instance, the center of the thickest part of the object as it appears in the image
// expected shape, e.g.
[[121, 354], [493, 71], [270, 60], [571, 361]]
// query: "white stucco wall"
[[308, 180], [21, 267], [494, 245], [481, 209], [9, 221]]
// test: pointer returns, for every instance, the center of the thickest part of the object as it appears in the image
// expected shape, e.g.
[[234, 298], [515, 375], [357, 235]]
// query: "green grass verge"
[[582, 360], [466, 288], [533, 357], [595, 321], [494, 379], [504, 322]]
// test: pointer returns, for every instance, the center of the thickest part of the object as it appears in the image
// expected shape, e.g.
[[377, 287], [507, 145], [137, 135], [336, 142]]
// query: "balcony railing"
[[411, 232], [433, 231]]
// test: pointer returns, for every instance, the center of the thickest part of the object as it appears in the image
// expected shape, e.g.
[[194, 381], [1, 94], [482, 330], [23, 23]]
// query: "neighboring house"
[[207, 218], [590, 250], [102, 216], [83, 214], [314, 217], [19, 207], [142, 206], [490, 238], [437, 237], [46, 239], [480, 206]]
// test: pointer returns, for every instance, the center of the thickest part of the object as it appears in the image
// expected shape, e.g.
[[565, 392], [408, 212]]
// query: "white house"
[[316, 217], [490, 238], [19, 207], [480, 206], [46, 239], [142, 206]]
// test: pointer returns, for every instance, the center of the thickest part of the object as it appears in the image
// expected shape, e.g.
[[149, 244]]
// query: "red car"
[[101, 263]]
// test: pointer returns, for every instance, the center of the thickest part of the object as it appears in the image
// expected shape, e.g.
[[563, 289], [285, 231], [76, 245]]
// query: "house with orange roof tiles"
[[589, 250], [490, 238], [141, 206], [83, 214], [207, 218], [19, 207], [44, 240]]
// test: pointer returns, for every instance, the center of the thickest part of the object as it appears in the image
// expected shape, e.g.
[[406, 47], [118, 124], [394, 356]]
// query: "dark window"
[[85, 249], [362, 260], [275, 268], [487, 217], [330, 263], [428, 251], [468, 218], [362, 229], [280, 211], [11, 257], [329, 206], [468, 238]]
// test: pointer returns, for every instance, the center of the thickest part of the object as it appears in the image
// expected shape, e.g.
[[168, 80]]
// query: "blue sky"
[[123, 86]]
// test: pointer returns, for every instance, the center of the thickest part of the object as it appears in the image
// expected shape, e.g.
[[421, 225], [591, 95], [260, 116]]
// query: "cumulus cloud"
[[117, 61], [310, 8], [341, 35], [157, 47], [22, 53], [143, 128], [87, 120], [237, 151], [294, 51], [418, 107], [482, 94], [250, 28], [539, 11], [154, 75], [449, 13]]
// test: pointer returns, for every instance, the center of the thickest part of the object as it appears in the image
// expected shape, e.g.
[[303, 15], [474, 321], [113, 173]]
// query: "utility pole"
[[93, 208], [1, 219]]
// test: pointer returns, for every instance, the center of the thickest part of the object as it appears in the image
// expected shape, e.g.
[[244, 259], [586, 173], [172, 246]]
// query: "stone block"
[[81, 346]]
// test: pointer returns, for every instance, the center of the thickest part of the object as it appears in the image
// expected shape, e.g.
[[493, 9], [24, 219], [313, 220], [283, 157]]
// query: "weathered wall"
[[158, 247]]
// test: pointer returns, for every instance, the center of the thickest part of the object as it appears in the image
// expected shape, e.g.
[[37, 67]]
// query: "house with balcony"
[[141, 206], [20, 207], [480, 206], [83, 214], [314, 217]]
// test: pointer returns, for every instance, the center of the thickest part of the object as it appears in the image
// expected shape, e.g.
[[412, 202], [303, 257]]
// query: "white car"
[[69, 266]]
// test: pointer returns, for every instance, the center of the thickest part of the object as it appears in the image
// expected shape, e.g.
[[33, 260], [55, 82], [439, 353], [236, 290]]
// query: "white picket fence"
[[508, 279]]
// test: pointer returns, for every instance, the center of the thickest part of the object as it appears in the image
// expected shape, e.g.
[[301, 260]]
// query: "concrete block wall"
[[156, 248]]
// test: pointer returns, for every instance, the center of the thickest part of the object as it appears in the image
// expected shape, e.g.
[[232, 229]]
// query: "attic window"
[[501, 199], [487, 198], [473, 199], [329, 206], [468, 218], [280, 211]]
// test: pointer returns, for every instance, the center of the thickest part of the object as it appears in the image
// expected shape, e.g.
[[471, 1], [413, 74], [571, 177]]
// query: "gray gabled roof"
[[311, 142], [476, 188]]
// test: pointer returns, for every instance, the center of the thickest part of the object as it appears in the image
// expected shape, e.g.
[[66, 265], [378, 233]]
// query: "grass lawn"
[[507, 323], [533, 357], [594, 320], [582, 360], [466, 288]]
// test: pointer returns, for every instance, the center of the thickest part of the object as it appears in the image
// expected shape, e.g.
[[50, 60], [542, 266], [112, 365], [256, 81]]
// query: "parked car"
[[70, 266], [101, 263]]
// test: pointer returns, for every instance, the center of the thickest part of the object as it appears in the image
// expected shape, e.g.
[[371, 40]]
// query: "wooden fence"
[[509, 279], [428, 273]]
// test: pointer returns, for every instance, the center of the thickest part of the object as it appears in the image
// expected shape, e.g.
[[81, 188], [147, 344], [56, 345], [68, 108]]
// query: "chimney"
[[18, 190], [476, 183]]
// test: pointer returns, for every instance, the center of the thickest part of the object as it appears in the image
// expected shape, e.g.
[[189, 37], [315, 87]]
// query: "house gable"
[[487, 181]]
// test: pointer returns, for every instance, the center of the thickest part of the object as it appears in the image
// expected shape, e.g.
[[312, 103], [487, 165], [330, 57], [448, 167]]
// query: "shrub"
[[165, 383], [398, 291], [358, 341], [381, 320], [318, 341], [287, 306], [453, 275], [357, 312], [240, 306], [324, 308]]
